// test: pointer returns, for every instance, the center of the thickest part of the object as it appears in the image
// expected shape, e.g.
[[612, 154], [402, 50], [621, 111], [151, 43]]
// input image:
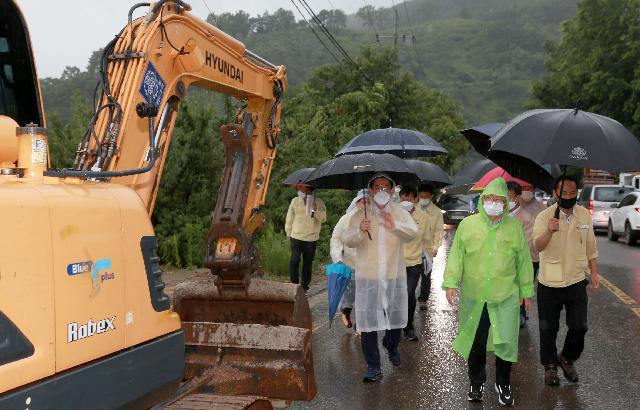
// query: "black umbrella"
[[566, 137], [298, 176], [428, 172], [352, 172], [479, 135], [473, 172], [398, 141]]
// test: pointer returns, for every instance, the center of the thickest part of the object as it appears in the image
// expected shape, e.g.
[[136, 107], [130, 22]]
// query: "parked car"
[[624, 219], [456, 207], [542, 196], [599, 200]]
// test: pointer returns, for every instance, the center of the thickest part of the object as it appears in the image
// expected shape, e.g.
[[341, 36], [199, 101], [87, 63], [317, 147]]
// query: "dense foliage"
[[484, 53], [596, 62]]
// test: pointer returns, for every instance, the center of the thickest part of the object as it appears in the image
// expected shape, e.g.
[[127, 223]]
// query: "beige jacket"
[[414, 250], [436, 226], [302, 227], [527, 223], [565, 260]]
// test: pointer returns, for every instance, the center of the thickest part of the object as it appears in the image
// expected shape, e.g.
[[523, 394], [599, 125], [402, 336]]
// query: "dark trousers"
[[370, 345], [308, 251], [413, 276], [550, 304], [478, 356], [536, 266], [425, 285]]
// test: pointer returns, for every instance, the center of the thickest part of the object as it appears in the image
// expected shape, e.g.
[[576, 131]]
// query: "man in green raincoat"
[[490, 263]]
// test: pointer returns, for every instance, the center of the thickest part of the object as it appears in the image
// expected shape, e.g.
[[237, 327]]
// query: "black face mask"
[[567, 203]]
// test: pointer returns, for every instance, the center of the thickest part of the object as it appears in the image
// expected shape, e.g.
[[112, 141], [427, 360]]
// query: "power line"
[[373, 22], [326, 32], [314, 33], [413, 34], [207, 6]]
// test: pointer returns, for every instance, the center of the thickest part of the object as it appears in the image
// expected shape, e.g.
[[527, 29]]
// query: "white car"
[[624, 219]]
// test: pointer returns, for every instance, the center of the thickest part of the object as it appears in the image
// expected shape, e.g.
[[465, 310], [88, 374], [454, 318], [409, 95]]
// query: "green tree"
[[596, 62], [64, 139], [236, 24], [340, 101]]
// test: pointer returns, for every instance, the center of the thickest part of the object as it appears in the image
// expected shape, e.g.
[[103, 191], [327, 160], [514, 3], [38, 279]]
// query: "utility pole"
[[397, 36]]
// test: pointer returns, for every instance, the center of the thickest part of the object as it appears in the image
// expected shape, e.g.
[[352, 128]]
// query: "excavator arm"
[[145, 73]]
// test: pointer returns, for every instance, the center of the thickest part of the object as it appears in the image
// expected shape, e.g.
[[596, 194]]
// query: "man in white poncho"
[[381, 282]]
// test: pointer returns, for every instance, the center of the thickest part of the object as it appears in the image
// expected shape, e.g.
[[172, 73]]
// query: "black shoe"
[[372, 375], [475, 392], [551, 375], [569, 371], [504, 395], [422, 304], [410, 335], [394, 358]]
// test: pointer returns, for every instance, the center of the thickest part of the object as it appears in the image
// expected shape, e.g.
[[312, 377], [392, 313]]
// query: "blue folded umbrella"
[[338, 277]]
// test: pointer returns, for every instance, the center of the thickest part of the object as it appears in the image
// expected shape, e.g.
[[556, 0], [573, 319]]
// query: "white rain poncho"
[[338, 251], [381, 282]]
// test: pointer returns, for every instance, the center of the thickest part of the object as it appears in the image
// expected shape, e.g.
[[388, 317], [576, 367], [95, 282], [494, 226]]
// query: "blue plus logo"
[[93, 267]]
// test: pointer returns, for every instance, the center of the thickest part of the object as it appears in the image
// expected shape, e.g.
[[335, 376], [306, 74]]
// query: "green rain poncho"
[[492, 265]]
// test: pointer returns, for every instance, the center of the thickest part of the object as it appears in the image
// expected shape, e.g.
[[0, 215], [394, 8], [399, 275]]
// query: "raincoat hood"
[[354, 204], [496, 187]]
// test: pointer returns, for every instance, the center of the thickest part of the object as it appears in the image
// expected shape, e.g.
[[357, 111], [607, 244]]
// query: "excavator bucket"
[[243, 335], [254, 343]]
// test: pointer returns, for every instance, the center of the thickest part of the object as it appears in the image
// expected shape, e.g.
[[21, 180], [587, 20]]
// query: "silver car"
[[600, 200]]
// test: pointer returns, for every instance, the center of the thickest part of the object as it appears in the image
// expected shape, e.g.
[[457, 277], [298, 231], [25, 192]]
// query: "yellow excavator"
[[84, 318]]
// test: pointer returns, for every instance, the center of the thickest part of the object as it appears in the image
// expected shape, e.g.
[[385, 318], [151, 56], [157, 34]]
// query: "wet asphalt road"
[[433, 376]]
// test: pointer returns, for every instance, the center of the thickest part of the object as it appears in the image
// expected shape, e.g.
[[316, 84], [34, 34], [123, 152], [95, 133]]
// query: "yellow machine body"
[[54, 233]]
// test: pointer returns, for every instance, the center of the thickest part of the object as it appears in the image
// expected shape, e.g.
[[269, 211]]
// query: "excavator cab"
[[84, 317], [19, 89]]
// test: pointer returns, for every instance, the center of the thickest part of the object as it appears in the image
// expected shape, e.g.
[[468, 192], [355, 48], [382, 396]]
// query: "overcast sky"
[[66, 32]]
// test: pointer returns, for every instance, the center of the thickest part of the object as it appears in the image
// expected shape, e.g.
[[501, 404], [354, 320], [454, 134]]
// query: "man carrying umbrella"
[[381, 283], [568, 250], [435, 223], [490, 261], [304, 220]]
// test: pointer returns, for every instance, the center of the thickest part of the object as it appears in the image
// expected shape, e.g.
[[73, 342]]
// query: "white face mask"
[[424, 202], [527, 195], [493, 208], [512, 205], [382, 198], [301, 194], [407, 205]]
